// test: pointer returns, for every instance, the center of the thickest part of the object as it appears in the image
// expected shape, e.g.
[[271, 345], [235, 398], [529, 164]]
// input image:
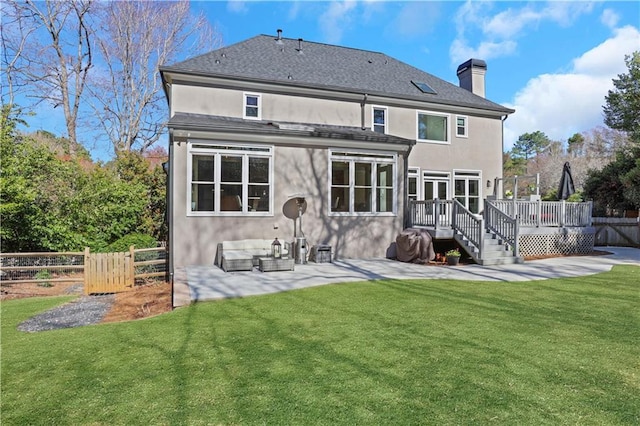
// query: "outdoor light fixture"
[[276, 249], [488, 183]]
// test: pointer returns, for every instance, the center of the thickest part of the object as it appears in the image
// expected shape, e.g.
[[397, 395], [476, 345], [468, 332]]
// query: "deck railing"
[[468, 225], [503, 225], [546, 213], [435, 213]]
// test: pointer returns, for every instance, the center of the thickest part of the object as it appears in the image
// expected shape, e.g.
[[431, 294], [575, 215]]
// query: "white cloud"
[[563, 104], [497, 34], [293, 11], [609, 18], [415, 19], [335, 19], [460, 52], [237, 6]]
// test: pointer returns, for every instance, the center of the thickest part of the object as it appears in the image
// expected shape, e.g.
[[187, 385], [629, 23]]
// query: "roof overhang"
[[197, 126], [178, 76]]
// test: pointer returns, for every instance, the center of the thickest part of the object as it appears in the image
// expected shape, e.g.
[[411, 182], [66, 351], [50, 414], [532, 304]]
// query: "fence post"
[[87, 270], [132, 266]]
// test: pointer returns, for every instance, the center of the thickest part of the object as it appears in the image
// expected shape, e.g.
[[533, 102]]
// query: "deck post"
[[516, 235], [563, 212], [538, 212], [436, 213], [481, 238]]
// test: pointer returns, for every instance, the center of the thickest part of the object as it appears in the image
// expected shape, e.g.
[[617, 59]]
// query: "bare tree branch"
[[136, 38], [49, 53]]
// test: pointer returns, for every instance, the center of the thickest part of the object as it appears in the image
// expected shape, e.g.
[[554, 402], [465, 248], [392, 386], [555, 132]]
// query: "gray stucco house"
[[358, 132]]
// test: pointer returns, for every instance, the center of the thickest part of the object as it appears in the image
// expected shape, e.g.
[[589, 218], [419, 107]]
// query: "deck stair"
[[494, 250], [489, 240]]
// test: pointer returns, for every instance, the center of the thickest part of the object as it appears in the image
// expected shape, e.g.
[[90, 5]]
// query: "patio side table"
[[271, 264]]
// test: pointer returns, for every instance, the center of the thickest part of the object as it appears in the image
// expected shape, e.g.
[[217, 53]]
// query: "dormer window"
[[379, 119], [252, 106]]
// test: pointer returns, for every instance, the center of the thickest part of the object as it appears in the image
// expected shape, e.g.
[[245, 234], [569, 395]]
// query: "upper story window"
[[379, 119], [433, 127], [229, 180], [362, 183], [462, 126], [252, 106]]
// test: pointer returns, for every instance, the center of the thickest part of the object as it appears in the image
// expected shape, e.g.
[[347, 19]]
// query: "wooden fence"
[[612, 231], [99, 272]]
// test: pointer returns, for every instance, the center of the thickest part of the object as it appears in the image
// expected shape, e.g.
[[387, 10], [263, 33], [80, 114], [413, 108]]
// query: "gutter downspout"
[[170, 212], [405, 205], [495, 190], [362, 104]]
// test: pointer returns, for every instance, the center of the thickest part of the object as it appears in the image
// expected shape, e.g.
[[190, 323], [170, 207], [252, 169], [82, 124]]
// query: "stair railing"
[[468, 225], [503, 225]]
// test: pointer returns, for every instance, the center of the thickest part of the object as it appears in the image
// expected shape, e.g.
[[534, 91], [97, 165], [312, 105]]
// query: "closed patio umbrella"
[[566, 187]]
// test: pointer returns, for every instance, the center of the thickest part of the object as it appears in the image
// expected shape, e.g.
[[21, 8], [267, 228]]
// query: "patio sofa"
[[243, 255]]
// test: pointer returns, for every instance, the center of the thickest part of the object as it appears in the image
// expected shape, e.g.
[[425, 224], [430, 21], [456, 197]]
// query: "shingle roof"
[[217, 123], [319, 65]]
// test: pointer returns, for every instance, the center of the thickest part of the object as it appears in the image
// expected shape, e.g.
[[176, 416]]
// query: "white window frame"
[[217, 150], [356, 156], [437, 114], [245, 105], [414, 173], [466, 126], [435, 176], [385, 125], [467, 175]]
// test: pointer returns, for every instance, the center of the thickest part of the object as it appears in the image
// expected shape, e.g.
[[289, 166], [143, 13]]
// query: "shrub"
[[137, 240], [43, 274]]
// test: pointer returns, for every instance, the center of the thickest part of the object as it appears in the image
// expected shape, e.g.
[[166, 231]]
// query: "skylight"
[[424, 87]]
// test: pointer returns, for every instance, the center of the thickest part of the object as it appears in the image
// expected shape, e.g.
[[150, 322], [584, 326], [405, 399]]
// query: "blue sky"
[[551, 61]]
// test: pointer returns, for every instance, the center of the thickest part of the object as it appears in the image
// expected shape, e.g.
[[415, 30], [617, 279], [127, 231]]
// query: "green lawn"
[[563, 351]]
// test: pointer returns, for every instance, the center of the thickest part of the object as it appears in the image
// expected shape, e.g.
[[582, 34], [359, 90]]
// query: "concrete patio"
[[201, 283]]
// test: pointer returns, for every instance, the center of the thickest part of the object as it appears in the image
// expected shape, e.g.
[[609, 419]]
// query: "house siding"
[[296, 170], [481, 150]]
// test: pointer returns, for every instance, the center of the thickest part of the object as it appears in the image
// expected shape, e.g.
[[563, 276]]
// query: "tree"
[[615, 187], [50, 53], [137, 37], [530, 144], [575, 145], [58, 202], [622, 105]]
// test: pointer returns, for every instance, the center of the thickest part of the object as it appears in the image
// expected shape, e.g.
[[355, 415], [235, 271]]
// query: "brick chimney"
[[471, 75]]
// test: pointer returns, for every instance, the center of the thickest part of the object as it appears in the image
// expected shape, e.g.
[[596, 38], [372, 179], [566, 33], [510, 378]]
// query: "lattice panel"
[[549, 244]]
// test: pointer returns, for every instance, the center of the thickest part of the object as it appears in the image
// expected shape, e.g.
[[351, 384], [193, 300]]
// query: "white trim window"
[[362, 183], [379, 119], [435, 185], [252, 106], [229, 180], [462, 126], [467, 188], [432, 127], [413, 177]]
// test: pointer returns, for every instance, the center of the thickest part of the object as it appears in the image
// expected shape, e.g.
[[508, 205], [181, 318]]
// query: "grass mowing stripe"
[[390, 351]]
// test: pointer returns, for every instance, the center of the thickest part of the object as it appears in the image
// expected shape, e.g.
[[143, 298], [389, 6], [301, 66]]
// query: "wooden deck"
[[522, 227]]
